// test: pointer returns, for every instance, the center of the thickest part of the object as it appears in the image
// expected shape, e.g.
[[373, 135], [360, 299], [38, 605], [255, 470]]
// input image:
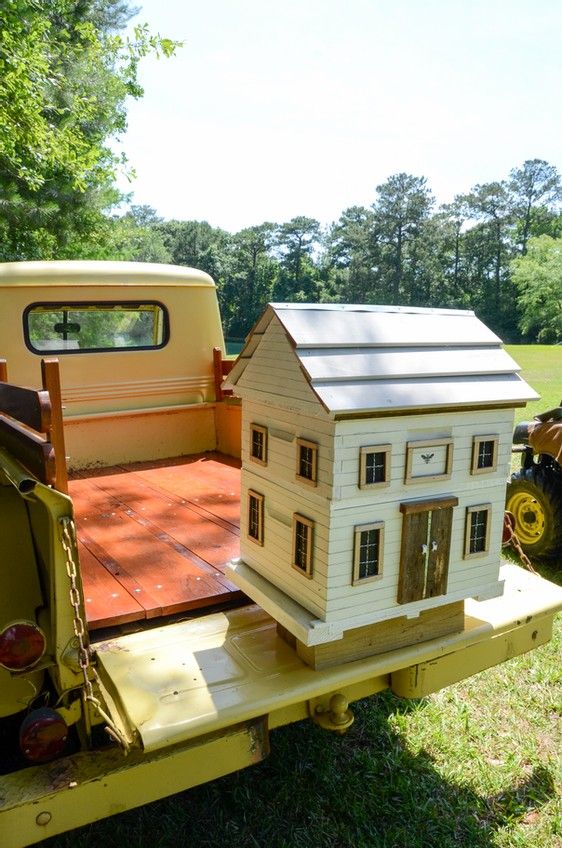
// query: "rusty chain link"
[[68, 541], [516, 544]]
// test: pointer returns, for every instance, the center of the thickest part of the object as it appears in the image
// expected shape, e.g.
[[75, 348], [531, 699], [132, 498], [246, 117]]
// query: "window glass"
[[478, 526], [307, 460], [91, 327], [302, 544], [258, 443], [484, 454], [255, 516], [368, 552], [477, 533], [374, 466]]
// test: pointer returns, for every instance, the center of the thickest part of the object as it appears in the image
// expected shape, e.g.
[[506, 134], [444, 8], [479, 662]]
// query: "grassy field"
[[478, 764]]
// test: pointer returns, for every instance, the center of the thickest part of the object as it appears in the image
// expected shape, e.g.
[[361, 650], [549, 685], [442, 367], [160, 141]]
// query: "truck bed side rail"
[[221, 367], [31, 425]]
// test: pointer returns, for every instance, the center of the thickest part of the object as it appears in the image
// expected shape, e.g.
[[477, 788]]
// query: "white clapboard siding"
[[412, 427], [464, 574], [275, 370], [357, 615], [311, 593], [281, 419], [347, 377], [380, 597], [461, 427], [273, 559], [281, 470]]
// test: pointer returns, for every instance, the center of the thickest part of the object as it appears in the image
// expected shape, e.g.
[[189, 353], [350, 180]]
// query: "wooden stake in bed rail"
[[51, 382]]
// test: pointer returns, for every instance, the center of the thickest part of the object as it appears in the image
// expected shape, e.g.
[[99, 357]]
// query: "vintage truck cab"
[[131, 665]]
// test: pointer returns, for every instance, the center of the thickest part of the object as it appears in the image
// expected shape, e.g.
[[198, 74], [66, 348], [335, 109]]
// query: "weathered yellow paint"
[[248, 680], [43, 508], [228, 415], [196, 677], [123, 383], [196, 697], [172, 431], [45, 800], [426, 677]]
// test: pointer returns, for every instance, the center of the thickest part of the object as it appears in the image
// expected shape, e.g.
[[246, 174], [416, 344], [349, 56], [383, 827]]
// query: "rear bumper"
[[202, 696]]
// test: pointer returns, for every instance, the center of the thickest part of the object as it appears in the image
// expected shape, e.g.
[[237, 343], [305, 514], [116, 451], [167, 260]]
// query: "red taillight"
[[43, 735], [22, 644]]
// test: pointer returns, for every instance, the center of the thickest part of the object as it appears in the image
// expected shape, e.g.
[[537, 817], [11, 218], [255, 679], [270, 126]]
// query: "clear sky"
[[302, 107]]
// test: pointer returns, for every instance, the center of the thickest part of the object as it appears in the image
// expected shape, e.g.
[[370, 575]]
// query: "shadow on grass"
[[317, 790]]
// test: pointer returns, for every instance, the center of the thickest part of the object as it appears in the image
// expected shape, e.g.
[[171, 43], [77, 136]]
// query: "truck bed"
[[154, 537]]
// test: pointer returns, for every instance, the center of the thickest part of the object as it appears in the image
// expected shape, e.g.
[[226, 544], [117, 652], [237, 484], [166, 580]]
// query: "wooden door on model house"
[[425, 548]]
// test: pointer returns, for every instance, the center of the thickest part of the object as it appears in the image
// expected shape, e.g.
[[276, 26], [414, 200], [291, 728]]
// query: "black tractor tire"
[[534, 497]]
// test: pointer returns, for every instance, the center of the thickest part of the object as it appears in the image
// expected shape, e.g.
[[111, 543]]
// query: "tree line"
[[66, 73], [494, 250]]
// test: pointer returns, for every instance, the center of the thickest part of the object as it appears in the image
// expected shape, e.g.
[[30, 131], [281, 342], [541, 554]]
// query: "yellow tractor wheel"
[[535, 501]]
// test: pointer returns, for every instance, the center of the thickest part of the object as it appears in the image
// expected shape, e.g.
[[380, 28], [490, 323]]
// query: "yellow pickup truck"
[[131, 666]]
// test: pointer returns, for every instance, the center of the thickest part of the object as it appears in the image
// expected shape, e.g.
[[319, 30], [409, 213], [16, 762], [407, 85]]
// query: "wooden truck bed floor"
[[154, 537]]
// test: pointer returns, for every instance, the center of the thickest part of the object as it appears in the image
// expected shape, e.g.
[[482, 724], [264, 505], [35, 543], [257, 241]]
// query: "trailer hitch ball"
[[337, 717]]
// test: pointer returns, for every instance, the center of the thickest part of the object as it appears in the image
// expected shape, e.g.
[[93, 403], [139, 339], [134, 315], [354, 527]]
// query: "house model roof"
[[373, 359]]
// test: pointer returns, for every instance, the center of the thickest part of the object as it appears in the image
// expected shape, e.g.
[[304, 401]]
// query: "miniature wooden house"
[[375, 449]]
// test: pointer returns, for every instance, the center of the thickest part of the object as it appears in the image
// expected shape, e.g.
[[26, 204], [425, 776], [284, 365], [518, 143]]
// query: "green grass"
[[478, 764], [542, 368]]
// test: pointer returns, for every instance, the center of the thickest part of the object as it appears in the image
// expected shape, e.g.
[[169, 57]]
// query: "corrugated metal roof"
[[361, 359]]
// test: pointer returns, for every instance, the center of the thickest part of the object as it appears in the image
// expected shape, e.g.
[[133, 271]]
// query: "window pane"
[[306, 462], [254, 517], [369, 553], [257, 444], [95, 327], [375, 467], [486, 454], [478, 528], [301, 545]]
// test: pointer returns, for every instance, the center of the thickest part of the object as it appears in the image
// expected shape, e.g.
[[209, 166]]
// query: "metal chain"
[[514, 541], [68, 540]]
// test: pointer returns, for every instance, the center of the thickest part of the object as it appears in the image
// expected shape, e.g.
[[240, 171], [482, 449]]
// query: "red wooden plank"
[[158, 577], [107, 602], [204, 482], [163, 550], [212, 540]]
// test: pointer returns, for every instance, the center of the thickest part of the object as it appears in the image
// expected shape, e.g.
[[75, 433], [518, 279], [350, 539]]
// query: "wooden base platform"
[[378, 638], [154, 538]]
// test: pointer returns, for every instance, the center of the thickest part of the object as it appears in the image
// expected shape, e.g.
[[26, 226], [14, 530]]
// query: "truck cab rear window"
[[95, 327]]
